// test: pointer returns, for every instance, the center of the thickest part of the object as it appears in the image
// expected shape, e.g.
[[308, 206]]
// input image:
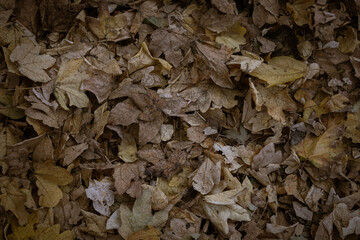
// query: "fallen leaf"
[[227, 6], [144, 59], [107, 26], [100, 120], [348, 40], [219, 215], [302, 211], [324, 150], [150, 234], [12, 199], [206, 176], [95, 224], [100, 192], [298, 10], [123, 175], [280, 70], [49, 177], [7, 108], [68, 83], [140, 216], [31, 64], [233, 37], [127, 148], [275, 99]]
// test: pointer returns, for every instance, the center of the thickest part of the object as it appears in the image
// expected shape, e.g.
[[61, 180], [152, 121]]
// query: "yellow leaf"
[[150, 234], [144, 59], [298, 10], [323, 150], [127, 148], [31, 64], [280, 70], [49, 177], [234, 37], [348, 40], [24, 233], [53, 232], [68, 82]]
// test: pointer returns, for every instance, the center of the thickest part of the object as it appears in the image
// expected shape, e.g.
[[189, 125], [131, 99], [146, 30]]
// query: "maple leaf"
[[140, 216], [298, 10], [31, 64], [49, 177], [219, 214], [144, 59], [68, 82], [107, 26], [233, 37], [323, 150], [12, 198], [206, 176], [173, 43], [215, 60], [275, 99], [42, 110]]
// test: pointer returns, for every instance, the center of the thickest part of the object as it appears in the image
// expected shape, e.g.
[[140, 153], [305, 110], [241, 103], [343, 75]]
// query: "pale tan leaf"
[[68, 83], [31, 64], [280, 70]]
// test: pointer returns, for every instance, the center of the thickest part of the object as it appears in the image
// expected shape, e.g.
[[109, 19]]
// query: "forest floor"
[[178, 120]]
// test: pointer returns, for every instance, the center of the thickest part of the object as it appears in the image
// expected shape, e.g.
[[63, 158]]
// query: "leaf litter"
[[179, 119]]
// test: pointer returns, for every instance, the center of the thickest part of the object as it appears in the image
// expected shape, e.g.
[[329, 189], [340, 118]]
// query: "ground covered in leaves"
[[175, 120]]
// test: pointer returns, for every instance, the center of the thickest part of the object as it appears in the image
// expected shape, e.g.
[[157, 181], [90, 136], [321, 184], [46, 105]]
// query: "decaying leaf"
[[140, 216], [31, 64], [68, 85], [13, 199], [280, 70], [101, 194], [207, 175], [325, 149], [49, 177], [219, 215]]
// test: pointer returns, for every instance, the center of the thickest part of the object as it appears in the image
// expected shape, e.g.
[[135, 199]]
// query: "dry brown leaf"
[[31, 64], [206, 176], [95, 224], [13, 199], [324, 150], [298, 10], [49, 177], [68, 84], [275, 99], [280, 70], [107, 26], [123, 175]]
